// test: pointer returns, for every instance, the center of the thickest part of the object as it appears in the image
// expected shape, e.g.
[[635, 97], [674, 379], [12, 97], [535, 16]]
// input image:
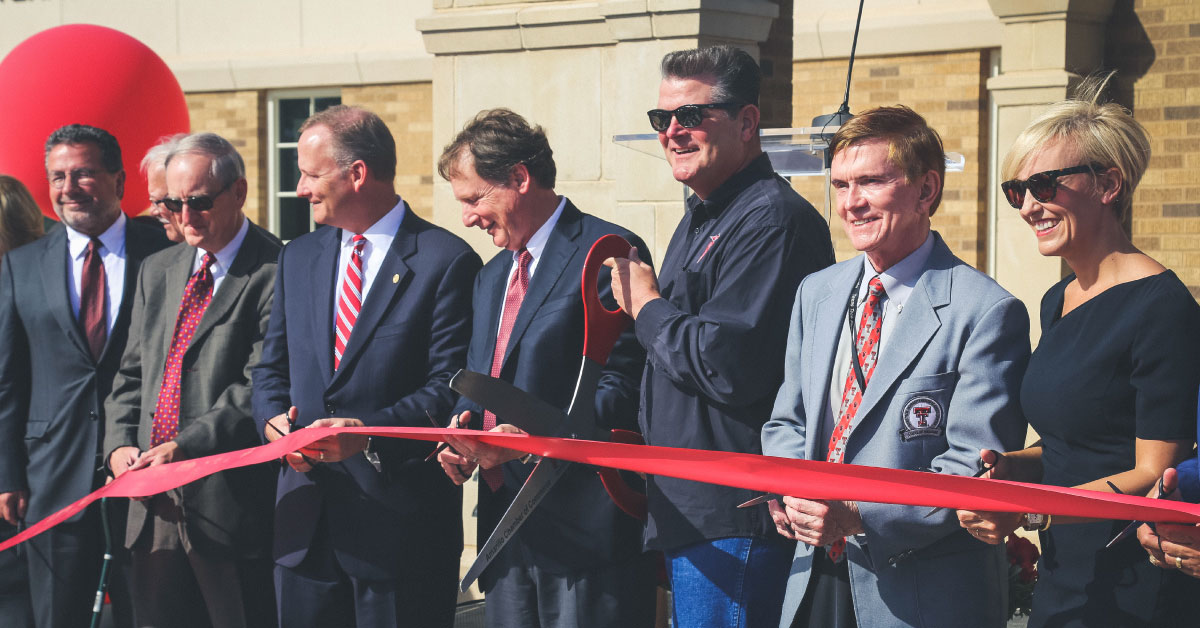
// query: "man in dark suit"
[[577, 560], [371, 318], [63, 324], [199, 553]]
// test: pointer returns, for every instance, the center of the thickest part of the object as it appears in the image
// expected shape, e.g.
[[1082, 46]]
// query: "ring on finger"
[[321, 456], [1179, 562], [1154, 561]]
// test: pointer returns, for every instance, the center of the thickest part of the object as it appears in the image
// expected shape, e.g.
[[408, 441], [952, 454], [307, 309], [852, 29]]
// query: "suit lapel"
[[393, 273], [231, 286], [917, 325], [831, 315], [496, 287], [55, 279], [177, 274], [560, 247], [324, 293]]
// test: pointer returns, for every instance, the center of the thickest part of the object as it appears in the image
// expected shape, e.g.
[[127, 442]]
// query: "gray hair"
[[157, 155], [736, 74], [227, 165]]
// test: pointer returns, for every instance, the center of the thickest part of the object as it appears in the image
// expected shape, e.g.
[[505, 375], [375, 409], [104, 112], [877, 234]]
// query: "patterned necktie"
[[512, 305], [92, 300], [867, 344], [349, 300], [196, 297]]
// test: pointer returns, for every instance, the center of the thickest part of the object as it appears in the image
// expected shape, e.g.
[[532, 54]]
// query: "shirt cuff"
[[650, 320], [1189, 480]]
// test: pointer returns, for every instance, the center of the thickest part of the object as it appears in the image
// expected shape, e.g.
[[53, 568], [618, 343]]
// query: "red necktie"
[[196, 297], [92, 300], [867, 343], [512, 305], [349, 300]]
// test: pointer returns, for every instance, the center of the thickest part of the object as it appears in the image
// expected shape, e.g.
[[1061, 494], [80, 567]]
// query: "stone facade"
[[1155, 44], [948, 89]]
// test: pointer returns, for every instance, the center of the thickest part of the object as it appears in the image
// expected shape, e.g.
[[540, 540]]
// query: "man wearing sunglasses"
[[200, 311], [65, 303], [904, 357], [714, 327], [154, 167]]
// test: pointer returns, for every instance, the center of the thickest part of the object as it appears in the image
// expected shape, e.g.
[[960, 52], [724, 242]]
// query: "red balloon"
[[85, 74]]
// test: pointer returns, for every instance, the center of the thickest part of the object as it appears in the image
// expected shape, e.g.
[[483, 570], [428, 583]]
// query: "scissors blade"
[[536, 486], [983, 468], [510, 404], [761, 499]]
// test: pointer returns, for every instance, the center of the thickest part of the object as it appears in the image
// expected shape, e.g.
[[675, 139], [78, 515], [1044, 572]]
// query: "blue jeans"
[[735, 582]]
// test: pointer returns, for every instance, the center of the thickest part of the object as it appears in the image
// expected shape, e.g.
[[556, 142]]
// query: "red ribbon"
[[805, 478]]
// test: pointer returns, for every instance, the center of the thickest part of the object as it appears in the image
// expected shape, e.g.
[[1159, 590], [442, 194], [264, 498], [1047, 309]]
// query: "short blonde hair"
[[1104, 133]]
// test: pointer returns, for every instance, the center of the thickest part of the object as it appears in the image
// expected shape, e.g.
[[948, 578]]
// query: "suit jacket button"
[[92, 415], [330, 409]]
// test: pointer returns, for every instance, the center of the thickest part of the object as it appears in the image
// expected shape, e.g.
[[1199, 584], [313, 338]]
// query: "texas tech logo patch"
[[922, 416]]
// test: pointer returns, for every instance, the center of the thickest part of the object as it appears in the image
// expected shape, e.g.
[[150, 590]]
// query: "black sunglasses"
[[197, 203], [1042, 185], [689, 116]]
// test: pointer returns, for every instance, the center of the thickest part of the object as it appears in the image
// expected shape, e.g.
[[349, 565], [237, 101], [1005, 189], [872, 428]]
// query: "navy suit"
[[576, 527], [403, 524], [52, 412]]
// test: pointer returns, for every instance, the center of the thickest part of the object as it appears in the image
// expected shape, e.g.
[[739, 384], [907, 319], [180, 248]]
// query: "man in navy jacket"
[[371, 319]]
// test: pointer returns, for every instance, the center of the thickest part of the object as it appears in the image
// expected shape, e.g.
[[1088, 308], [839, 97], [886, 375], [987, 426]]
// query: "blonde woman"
[[1111, 387], [20, 218]]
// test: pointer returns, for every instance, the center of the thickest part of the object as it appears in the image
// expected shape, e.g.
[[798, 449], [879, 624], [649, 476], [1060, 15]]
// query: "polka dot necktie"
[[196, 297], [867, 344], [512, 305], [349, 300]]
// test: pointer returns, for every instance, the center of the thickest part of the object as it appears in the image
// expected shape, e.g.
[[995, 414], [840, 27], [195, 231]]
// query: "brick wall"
[[408, 111], [241, 118], [949, 90], [1155, 45]]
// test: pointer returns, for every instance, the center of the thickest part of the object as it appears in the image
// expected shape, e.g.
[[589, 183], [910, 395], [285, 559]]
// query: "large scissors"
[[602, 328]]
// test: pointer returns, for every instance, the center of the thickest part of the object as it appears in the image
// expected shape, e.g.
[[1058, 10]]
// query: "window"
[[286, 111]]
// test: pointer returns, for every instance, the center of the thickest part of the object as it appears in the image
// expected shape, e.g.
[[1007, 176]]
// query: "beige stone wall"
[[408, 111], [1159, 53], [241, 118], [948, 89]]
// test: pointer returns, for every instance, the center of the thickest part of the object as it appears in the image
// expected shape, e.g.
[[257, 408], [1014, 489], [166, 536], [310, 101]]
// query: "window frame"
[[275, 146]]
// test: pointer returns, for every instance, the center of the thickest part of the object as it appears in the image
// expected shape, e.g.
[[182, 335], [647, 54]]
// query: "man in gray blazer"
[[929, 375], [200, 553]]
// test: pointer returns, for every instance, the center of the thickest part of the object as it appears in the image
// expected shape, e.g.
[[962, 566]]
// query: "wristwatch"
[[1035, 522]]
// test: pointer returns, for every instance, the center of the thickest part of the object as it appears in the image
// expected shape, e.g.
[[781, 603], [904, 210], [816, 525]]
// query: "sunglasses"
[[1042, 185], [689, 116], [196, 203]]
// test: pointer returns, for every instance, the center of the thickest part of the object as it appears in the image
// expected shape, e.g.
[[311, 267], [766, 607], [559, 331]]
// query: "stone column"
[[1047, 46], [585, 71]]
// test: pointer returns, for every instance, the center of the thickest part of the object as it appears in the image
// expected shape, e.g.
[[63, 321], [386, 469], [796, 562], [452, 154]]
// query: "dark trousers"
[[318, 593], [15, 609], [180, 586], [64, 570], [617, 595], [827, 601]]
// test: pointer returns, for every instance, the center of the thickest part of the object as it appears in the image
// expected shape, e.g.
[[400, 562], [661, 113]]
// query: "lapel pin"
[[396, 278]]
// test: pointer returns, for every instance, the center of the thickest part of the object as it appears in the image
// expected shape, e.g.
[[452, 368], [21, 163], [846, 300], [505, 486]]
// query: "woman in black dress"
[[1111, 387]]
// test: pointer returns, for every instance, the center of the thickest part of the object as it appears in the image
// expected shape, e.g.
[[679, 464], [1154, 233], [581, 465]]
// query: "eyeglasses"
[[689, 116], [82, 176], [197, 203], [1042, 185]]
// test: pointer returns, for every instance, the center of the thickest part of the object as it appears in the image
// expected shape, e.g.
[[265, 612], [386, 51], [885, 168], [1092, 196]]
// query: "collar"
[[113, 238], [226, 255], [900, 278], [381, 234], [758, 169], [537, 243]]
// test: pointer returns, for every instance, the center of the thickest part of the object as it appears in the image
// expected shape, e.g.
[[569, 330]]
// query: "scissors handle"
[[602, 326]]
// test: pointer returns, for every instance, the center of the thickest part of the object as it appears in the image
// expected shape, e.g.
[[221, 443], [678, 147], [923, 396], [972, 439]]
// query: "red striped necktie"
[[349, 300], [867, 344], [92, 300]]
